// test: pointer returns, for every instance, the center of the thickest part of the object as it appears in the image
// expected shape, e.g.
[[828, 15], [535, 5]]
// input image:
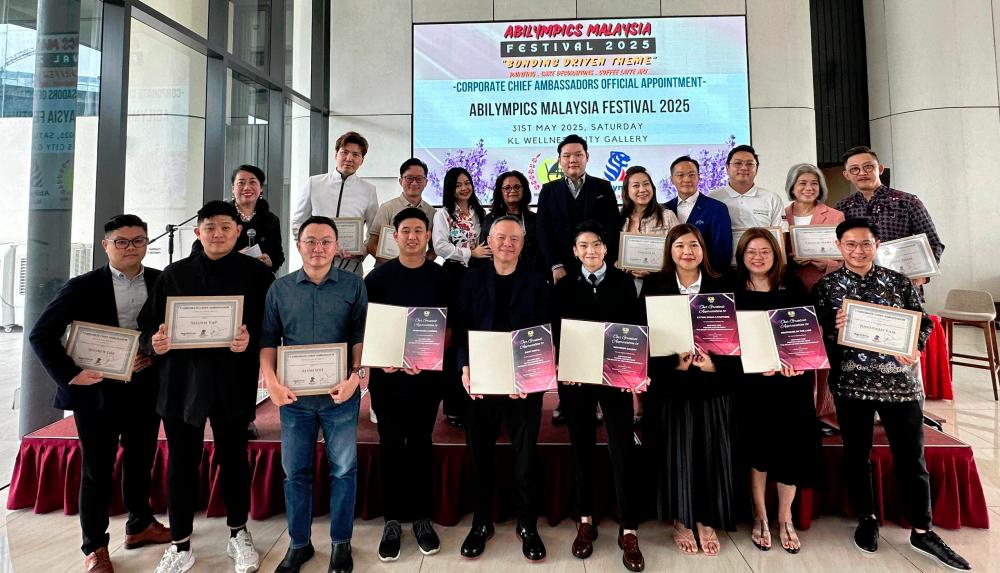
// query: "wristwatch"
[[362, 372]]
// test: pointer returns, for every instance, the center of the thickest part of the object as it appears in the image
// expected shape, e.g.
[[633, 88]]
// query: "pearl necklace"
[[246, 218]]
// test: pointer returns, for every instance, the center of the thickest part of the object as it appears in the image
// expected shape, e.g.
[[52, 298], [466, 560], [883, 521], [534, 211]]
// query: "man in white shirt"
[[748, 204], [341, 193]]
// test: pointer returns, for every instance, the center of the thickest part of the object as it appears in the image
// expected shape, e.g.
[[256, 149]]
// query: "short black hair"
[[256, 171], [684, 159], [413, 161], [857, 223], [318, 220], [119, 221], [571, 138], [214, 208], [588, 226], [410, 213], [747, 148], [858, 150]]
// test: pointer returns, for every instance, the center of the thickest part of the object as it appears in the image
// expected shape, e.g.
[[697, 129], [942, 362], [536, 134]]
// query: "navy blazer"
[[555, 219], [711, 217], [89, 297]]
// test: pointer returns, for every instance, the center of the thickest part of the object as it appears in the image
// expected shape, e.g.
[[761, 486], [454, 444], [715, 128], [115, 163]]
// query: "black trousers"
[[903, 423], [455, 398], [186, 443], [579, 404], [135, 426], [522, 418], [407, 408]]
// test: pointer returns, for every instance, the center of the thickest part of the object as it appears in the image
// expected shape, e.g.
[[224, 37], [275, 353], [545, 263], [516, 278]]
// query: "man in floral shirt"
[[864, 383]]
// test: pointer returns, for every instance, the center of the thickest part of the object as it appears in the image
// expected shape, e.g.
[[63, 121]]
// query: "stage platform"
[[46, 476]]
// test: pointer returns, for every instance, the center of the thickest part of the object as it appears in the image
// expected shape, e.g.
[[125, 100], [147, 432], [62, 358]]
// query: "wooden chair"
[[972, 308]]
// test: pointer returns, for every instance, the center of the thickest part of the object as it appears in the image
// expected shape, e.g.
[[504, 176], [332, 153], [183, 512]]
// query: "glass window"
[[192, 14], [246, 125], [165, 149], [296, 163], [248, 31], [298, 45]]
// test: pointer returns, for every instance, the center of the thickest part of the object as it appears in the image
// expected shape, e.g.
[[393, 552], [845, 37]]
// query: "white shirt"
[[695, 287], [441, 237], [598, 274], [322, 196], [758, 207], [685, 206], [130, 295], [804, 220]]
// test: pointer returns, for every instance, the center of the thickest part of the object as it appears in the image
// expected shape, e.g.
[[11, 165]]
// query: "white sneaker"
[[174, 561], [242, 552]]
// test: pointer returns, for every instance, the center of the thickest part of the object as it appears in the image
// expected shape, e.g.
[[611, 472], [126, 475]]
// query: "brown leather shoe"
[[155, 533], [98, 562], [583, 545], [631, 556]]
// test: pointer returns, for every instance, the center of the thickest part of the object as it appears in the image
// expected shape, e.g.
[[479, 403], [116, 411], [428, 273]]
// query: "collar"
[[690, 200], [879, 191], [751, 192], [696, 285], [856, 276], [402, 197], [302, 277], [120, 275], [599, 273], [573, 186], [336, 175]]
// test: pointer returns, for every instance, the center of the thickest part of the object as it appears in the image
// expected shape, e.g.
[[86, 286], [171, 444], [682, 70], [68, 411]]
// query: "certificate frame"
[[800, 245], [79, 331], [777, 232], [222, 339], [645, 243], [387, 246], [910, 330], [928, 265], [287, 355], [355, 227]]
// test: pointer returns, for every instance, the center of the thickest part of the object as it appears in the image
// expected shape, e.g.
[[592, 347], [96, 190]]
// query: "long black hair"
[[523, 206], [448, 193]]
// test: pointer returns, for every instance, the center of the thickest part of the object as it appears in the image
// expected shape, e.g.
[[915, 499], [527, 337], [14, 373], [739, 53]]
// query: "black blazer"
[[89, 297], [530, 305], [556, 219], [614, 299]]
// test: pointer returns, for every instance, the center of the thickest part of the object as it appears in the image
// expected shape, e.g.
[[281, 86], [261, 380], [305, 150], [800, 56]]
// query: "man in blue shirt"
[[318, 304]]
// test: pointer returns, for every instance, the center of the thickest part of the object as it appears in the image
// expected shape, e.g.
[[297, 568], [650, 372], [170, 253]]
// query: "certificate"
[[638, 252], [784, 337], [682, 323], [878, 328], [253, 251], [404, 337], [106, 349], [911, 256], [388, 248], [311, 369], [777, 232], [605, 353], [814, 242], [669, 320], [203, 321], [350, 231], [522, 361]]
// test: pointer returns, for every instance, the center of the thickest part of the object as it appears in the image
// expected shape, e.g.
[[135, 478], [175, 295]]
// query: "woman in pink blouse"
[[806, 188]]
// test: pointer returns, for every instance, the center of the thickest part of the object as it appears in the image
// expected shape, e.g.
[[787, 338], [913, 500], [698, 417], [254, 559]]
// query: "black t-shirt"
[[395, 284], [504, 288]]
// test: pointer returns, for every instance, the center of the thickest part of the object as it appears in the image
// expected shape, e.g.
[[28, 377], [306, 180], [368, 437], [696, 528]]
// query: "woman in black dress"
[[512, 196], [686, 426], [781, 397]]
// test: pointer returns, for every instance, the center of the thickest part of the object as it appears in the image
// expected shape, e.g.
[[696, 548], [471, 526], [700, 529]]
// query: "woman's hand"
[[704, 361], [266, 259], [684, 360], [482, 252]]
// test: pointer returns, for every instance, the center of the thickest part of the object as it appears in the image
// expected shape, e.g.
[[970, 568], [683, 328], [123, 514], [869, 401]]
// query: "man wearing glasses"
[[897, 214], [107, 411], [749, 204], [413, 179]]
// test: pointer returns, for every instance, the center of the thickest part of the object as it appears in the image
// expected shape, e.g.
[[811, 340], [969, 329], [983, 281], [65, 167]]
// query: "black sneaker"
[[388, 548], [931, 545], [866, 535], [427, 539]]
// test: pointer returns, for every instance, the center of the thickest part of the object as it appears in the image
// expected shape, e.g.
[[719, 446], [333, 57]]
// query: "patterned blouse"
[[862, 374], [464, 232], [897, 214], [649, 226]]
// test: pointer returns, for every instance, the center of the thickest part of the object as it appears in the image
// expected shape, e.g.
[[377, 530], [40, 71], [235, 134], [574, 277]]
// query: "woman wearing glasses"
[[806, 188], [512, 196]]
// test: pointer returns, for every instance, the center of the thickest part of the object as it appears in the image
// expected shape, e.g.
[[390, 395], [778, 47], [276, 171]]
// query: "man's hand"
[[841, 319], [242, 340], [342, 392], [557, 274], [280, 395], [909, 360], [467, 383], [141, 362], [86, 378], [918, 282], [160, 340]]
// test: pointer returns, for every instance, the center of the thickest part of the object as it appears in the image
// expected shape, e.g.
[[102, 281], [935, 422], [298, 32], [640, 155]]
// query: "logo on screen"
[[427, 313], [548, 170], [617, 164]]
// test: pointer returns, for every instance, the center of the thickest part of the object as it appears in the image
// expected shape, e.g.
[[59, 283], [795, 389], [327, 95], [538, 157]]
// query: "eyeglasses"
[[512, 188], [753, 253], [739, 163], [352, 154], [408, 179], [311, 243], [137, 242], [867, 167], [863, 245]]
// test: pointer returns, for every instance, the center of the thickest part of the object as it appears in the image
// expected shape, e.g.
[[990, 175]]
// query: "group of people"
[[505, 270]]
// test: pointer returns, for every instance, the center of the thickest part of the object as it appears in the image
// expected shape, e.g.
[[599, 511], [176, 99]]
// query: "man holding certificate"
[[601, 293], [870, 375], [106, 411], [407, 398], [209, 369], [502, 297]]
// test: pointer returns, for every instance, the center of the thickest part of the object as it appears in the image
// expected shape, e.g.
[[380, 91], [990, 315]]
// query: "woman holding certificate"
[[457, 225], [806, 187], [686, 427], [762, 283], [641, 213], [512, 196]]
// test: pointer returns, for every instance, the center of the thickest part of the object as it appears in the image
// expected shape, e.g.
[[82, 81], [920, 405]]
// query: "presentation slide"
[[493, 97]]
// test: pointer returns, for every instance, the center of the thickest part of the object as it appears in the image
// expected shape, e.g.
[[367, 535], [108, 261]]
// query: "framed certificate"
[[777, 232], [682, 323], [312, 369], [784, 337], [911, 256], [638, 252], [814, 242], [523, 361], [605, 353], [388, 248], [203, 321], [879, 328], [350, 232], [404, 337], [106, 349]]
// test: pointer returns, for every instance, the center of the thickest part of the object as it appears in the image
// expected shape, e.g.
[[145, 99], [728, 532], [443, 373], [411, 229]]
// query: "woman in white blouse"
[[456, 227]]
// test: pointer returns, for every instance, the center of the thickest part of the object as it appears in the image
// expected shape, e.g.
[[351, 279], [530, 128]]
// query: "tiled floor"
[[50, 543]]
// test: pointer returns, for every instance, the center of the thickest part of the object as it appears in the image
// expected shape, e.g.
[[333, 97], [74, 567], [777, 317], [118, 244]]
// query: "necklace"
[[246, 218]]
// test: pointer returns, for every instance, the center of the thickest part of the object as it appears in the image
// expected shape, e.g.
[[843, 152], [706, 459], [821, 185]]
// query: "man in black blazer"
[[108, 410], [502, 297], [565, 203]]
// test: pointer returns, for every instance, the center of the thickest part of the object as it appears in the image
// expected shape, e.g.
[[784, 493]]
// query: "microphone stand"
[[169, 233]]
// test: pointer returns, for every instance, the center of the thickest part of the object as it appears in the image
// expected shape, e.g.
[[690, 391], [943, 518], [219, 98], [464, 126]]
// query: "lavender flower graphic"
[[474, 160], [713, 171]]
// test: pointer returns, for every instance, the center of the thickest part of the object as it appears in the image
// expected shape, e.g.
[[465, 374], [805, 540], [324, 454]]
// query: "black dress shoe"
[[295, 558], [475, 541], [931, 545], [340, 559], [531, 543], [583, 545], [866, 535], [558, 416], [454, 422]]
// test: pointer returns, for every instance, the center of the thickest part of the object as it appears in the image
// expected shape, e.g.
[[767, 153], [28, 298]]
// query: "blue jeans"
[[300, 424]]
